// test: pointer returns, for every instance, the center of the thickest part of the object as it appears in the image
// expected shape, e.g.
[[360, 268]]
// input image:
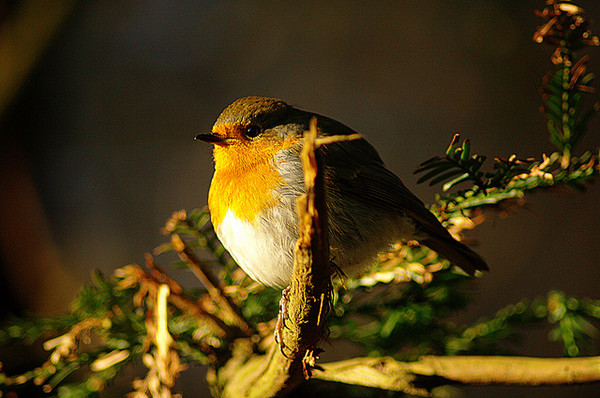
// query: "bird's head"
[[254, 129]]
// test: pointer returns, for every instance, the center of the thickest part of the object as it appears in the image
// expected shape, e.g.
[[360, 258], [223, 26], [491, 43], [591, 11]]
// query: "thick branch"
[[389, 374], [511, 370], [310, 281], [274, 374]]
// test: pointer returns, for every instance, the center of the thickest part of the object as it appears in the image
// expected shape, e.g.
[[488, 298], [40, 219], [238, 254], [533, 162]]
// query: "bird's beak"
[[212, 138]]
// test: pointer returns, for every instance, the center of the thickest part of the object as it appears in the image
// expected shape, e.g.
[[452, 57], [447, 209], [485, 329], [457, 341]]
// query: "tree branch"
[[276, 373], [389, 374]]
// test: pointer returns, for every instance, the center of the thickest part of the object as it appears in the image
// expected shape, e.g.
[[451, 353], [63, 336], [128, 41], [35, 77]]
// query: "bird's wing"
[[356, 171]]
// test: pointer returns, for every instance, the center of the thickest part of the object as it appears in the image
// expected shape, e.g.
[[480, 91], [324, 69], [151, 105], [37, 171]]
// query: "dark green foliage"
[[405, 320], [460, 166], [93, 311], [565, 88], [573, 325], [104, 321], [563, 104]]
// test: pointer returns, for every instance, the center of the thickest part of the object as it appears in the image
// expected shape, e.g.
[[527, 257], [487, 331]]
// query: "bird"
[[258, 177]]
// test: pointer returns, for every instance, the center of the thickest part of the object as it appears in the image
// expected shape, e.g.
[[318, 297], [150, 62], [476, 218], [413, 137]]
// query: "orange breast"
[[244, 179]]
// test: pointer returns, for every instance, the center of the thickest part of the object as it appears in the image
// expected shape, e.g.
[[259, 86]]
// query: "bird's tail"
[[456, 252]]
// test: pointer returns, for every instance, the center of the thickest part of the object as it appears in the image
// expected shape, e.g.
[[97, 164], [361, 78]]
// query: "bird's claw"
[[281, 317]]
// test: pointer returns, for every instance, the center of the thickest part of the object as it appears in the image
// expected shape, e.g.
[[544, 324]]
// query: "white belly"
[[264, 249]]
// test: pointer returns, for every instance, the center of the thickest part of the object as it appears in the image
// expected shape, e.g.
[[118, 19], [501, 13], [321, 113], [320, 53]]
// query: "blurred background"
[[100, 101]]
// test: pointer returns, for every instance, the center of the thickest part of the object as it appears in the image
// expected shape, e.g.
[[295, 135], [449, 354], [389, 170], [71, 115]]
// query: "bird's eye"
[[252, 131]]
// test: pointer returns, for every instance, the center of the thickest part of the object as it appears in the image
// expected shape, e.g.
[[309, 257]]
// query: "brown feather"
[[457, 253]]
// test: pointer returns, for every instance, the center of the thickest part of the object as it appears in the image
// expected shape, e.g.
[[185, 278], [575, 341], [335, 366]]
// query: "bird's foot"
[[281, 318]]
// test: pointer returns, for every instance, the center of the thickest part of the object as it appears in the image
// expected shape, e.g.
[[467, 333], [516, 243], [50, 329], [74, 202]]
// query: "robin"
[[258, 177]]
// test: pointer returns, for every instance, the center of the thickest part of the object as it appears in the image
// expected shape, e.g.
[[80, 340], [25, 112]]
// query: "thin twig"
[[134, 274], [212, 284]]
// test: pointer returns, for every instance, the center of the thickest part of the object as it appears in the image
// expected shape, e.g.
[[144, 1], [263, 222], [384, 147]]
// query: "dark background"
[[97, 146]]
